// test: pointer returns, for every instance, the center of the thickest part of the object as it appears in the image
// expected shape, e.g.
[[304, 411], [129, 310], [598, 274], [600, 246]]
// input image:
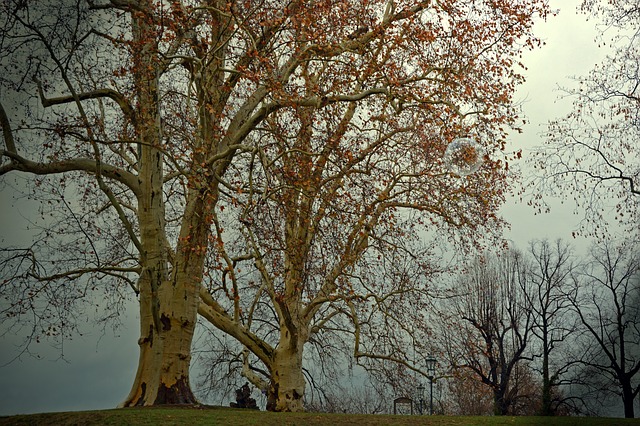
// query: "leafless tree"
[[552, 265], [489, 327], [605, 297]]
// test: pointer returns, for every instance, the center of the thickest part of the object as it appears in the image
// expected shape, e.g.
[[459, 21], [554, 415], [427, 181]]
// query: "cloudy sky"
[[97, 369]]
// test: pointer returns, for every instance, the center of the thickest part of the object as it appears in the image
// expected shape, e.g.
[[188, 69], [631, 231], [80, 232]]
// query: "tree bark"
[[168, 302], [500, 403], [628, 399], [167, 306], [287, 386], [163, 366], [169, 316], [545, 408]]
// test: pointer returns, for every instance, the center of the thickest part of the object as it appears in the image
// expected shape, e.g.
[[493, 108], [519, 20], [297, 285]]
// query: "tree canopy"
[[270, 165]]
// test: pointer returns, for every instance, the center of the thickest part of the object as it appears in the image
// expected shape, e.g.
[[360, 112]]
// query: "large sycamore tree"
[[327, 218], [170, 141]]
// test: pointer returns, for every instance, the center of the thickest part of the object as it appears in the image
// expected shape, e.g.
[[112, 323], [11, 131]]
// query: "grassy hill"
[[236, 417]]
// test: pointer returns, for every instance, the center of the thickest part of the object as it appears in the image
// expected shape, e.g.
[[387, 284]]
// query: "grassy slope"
[[233, 417]]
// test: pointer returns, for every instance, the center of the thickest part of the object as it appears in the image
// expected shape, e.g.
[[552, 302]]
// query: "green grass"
[[232, 417]]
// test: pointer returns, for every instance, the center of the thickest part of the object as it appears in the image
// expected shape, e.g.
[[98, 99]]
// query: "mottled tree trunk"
[[286, 389], [168, 310], [168, 299], [168, 317], [165, 344], [167, 306]]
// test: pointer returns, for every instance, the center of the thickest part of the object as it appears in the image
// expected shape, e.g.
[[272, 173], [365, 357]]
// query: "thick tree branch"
[[213, 312], [74, 164], [117, 97]]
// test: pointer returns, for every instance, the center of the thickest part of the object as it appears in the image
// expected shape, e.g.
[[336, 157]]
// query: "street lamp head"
[[431, 366]]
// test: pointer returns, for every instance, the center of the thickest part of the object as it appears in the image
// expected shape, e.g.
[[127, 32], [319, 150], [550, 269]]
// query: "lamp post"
[[431, 370], [421, 398]]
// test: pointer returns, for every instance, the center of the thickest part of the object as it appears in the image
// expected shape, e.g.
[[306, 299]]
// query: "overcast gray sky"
[[98, 369]]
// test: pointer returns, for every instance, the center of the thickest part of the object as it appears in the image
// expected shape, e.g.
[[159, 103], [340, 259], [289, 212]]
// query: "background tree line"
[[550, 333]]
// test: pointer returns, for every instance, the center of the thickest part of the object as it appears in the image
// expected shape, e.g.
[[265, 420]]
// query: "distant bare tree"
[[491, 324], [550, 275], [606, 298]]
